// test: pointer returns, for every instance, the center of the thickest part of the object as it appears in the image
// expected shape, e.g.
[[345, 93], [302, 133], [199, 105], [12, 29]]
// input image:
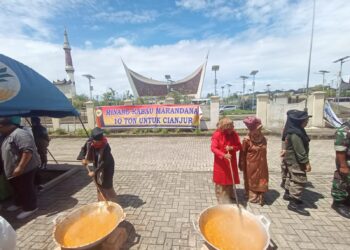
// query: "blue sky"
[[159, 37], [146, 22]]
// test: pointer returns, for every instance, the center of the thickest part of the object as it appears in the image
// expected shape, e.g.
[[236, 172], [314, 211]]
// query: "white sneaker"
[[25, 214], [12, 208]]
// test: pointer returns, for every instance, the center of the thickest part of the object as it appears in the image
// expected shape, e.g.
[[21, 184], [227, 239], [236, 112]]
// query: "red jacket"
[[222, 173]]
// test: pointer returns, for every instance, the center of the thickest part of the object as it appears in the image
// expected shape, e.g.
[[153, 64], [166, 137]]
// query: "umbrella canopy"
[[24, 92]]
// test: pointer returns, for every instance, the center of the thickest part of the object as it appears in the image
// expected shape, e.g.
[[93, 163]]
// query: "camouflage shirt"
[[342, 142]]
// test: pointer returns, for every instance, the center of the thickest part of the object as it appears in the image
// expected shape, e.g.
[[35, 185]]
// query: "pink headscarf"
[[252, 122]]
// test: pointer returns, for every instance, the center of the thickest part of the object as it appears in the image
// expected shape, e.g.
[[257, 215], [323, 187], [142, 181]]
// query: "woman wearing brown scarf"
[[253, 161]]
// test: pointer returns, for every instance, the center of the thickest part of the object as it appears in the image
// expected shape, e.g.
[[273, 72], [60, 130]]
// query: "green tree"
[[176, 95], [140, 100], [79, 101], [108, 98], [127, 95], [209, 95]]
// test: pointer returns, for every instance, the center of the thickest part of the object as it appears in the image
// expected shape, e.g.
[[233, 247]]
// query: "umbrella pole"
[[52, 156], [87, 134]]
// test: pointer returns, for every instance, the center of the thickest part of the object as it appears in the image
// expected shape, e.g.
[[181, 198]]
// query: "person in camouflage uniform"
[[42, 140], [341, 181], [296, 159], [284, 172]]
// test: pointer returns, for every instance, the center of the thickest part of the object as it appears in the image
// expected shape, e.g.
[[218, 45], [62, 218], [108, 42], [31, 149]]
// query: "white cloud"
[[118, 42], [217, 9], [126, 16], [192, 4], [88, 44], [277, 48], [22, 15], [263, 11], [257, 11], [170, 29], [95, 27], [224, 12]]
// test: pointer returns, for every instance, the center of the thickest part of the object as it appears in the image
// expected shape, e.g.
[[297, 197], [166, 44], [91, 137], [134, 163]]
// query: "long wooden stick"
[[234, 183], [98, 188]]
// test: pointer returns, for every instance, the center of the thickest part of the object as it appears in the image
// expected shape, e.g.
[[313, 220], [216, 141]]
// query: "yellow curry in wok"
[[232, 231], [89, 228]]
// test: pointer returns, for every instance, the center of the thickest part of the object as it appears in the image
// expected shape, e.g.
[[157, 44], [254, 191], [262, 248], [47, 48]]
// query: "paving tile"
[[165, 185]]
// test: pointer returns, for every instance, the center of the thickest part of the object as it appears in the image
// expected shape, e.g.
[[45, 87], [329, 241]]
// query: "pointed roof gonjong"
[[143, 86]]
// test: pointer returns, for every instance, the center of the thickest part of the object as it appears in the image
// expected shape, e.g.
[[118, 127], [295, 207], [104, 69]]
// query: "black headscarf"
[[295, 119]]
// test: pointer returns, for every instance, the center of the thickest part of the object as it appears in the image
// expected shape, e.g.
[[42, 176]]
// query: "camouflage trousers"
[[284, 174], [341, 187], [295, 180], [224, 194]]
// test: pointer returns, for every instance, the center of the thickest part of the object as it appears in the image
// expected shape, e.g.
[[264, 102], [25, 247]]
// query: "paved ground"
[[164, 183]]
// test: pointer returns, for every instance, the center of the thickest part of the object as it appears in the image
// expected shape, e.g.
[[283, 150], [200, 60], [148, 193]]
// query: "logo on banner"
[[9, 83], [99, 112]]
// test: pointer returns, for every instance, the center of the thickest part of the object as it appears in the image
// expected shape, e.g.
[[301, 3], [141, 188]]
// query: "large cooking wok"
[[259, 238], [66, 221]]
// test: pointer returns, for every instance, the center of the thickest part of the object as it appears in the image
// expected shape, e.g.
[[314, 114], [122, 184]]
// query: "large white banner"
[[330, 116]]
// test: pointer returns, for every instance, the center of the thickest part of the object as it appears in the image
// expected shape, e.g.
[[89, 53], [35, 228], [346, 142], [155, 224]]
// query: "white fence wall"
[[273, 112], [277, 113]]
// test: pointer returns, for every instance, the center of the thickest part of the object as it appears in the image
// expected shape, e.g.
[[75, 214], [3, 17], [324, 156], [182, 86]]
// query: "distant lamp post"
[[222, 92], [253, 73], [89, 77], [229, 90], [310, 52], [168, 79], [323, 72], [215, 68], [268, 89], [243, 78], [238, 93], [251, 91]]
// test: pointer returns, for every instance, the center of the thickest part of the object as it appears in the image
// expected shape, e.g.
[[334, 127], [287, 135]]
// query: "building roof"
[[143, 86], [345, 85], [62, 82]]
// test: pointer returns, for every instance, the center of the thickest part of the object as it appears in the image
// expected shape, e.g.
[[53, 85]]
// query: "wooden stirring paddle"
[[98, 188]]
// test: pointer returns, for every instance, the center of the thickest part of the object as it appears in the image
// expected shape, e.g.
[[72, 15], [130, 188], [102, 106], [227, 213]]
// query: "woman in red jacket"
[[224, 144]]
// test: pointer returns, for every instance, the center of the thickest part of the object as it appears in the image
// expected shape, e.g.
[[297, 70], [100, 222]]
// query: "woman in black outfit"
[[98, 151]]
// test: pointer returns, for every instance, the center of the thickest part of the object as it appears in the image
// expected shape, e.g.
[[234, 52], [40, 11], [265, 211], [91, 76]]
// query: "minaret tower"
[[69, 63]]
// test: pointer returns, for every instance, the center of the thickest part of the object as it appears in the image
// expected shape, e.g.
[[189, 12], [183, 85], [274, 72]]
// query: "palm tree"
[[7, 89], [3, 75]]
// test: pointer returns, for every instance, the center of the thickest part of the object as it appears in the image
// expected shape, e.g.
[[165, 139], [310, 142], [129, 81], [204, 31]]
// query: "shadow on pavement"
[[241, 197], [309, 185], [272, 245], [130, 200], [123, 237], [271, 196], [310, 198], [51, 202]]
